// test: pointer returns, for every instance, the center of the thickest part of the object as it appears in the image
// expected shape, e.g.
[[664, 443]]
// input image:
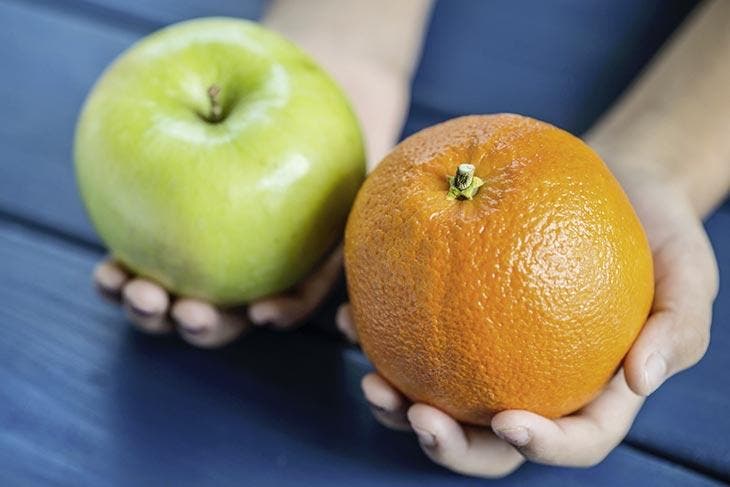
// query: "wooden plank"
[[169, 11], [464, 69], [142, 16], [86, 401], [566, 68], [44, 82], [50, 61], [52, 55]]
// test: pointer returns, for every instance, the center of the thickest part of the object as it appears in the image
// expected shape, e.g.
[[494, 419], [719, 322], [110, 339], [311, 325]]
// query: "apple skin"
[[227, 211]]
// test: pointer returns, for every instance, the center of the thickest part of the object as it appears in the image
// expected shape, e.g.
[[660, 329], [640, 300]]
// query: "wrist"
[[378, 95], [380, 32], [640, 172], [637, 155], [378, 91]]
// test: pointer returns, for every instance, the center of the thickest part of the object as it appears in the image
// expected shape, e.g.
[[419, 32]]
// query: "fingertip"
[[194, 316], [469, 450], [279, 312], [430, 435], [203, 325], [263, 312], [423, 415], [381, 394], [387, 404], [145, 298], [673, 339], [654, 373], [514, 417], [445, 429], [643, 378], [345, 323], [146, 304], [441, 438], [634, 373], [645, 367], [515, 427], [109, 279]]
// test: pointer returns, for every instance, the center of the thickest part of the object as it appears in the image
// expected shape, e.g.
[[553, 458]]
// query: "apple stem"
[[216, 110], [464, 185]]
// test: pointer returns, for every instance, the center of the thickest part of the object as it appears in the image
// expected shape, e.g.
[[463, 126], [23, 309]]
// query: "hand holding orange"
[[518, 285]]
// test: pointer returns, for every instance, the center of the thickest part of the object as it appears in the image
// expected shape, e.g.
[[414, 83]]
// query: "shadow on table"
[[289, 400]]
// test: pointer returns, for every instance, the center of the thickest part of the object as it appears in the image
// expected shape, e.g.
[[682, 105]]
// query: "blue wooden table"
[[84, 400]]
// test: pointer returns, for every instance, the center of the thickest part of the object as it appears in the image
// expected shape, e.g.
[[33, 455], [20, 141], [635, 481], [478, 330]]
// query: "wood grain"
[[86, 401]]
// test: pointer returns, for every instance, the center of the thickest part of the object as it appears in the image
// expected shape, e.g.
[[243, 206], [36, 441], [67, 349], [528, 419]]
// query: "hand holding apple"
[[217, 160], [151, 308]]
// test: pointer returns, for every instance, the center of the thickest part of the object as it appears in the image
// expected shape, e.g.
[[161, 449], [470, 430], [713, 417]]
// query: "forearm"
[[673, 123], [369, 47]]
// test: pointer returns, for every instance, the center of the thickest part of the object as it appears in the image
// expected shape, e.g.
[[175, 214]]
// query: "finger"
[[345, 323], [669, 343], [109, 279], [464, 449], [677, 333], [287, 310], [203, 325], [146, 304], [580, 440], [388, 405]]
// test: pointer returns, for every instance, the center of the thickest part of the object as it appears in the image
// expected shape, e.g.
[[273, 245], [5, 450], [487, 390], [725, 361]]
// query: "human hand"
[[380, 95], [152, 309], [674, 338]]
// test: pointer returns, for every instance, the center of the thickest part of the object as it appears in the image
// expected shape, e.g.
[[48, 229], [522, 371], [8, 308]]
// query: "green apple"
[[218, 159]]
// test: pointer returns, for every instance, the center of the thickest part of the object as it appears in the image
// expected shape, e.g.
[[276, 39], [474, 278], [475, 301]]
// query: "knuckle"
[[538, 453], [584, 455], [547, 456]]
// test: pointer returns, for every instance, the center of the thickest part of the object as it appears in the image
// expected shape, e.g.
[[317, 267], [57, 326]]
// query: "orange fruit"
[[526, 296]]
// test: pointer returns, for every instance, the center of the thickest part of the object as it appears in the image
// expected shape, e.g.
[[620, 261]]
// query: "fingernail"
[[109, 277], [144, 313], [517, 436], [655, 370], [426, 438], [193, 330], [347, 332], [376, 408], [261, 315]]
